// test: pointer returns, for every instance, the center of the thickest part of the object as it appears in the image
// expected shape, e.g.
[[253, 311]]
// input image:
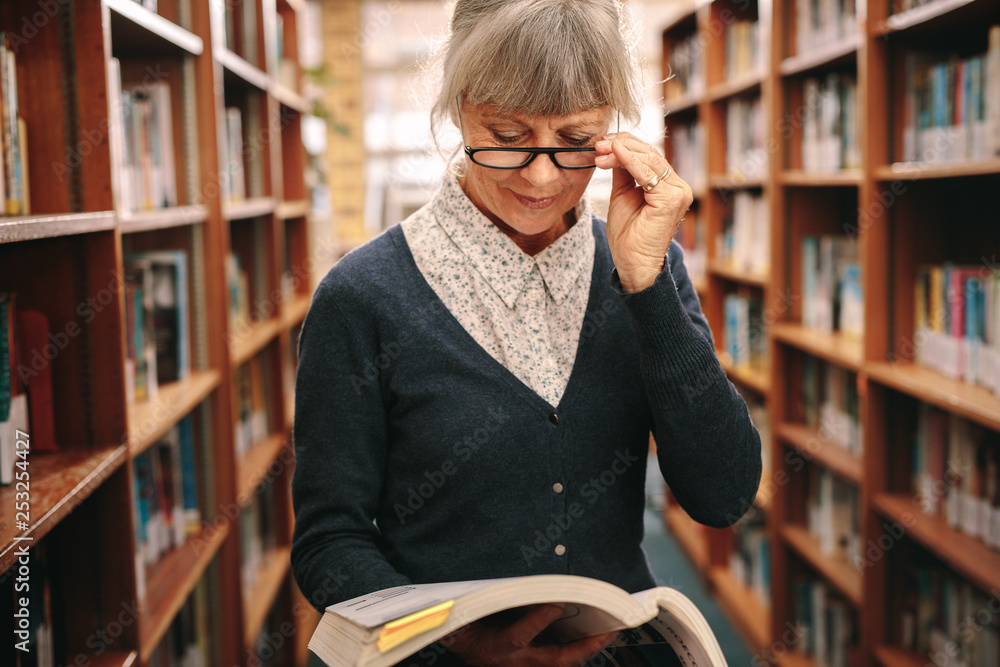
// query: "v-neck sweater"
[[420, 458]]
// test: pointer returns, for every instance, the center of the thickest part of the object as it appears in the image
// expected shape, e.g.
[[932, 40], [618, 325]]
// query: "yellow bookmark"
[[396, 632]]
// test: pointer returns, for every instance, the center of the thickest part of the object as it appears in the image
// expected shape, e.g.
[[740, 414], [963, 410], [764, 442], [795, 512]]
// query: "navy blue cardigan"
[[420, 458]]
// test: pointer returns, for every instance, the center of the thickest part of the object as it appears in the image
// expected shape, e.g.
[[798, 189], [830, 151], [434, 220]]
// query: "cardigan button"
[[554, 418], [557, 487], [560, 550]]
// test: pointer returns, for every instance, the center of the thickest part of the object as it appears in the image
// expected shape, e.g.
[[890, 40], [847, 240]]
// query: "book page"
[[376, 609]]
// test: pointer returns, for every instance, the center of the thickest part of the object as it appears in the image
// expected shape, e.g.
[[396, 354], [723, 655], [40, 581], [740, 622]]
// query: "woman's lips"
[[533, 202]]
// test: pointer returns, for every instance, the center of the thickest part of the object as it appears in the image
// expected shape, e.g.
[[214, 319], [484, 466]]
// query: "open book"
[[385, 627]]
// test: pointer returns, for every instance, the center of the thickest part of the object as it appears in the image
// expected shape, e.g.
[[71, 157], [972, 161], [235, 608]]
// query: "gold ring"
[[656, 179]]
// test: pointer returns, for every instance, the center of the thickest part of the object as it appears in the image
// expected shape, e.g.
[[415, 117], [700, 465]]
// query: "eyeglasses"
[[517, 158]]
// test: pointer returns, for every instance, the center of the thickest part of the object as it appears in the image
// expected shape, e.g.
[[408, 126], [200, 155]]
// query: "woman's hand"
[[640, 224], [482, 645]]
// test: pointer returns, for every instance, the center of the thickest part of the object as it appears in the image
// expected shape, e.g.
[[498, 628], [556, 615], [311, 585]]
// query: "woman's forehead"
[[588, 117]]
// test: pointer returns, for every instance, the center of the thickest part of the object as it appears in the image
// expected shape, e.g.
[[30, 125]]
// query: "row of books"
[[233, 178], [745, 242], [14, 190], [187, 640], [27, 351], [826, 626], [832, 510], [819, 23], [257, 536], [237, 284], [251, 413], [946, 618], [833, 295], [165, 497], [829, 404], [157, 333], [687, 156], [691, 237], [830, 123], [956, 473], [746, 157], [951, 106], [745, 334], [750, 559], [240, 30], [956, 329], [687, 74], [742, 48]]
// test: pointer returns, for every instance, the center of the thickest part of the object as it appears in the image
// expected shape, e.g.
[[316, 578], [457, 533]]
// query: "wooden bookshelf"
[[896, 233], [66, 260], [689, 535], [743, 607]]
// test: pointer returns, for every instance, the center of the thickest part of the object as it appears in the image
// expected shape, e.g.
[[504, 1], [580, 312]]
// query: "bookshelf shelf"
[[700, 286], [239, 71], [968, 556], [837, 571], [178, 216], [744, 608], [733, 182], [764, 499], [251, 208], [248, 341], [287, 210], [15, 229], [681, 104], [796, 659], [919, 16], [833, 54], [689, 535], [253, 469], [811, 444], [149, 420], [294, 312], [171, 580], [743, 84], [115, 659], [927, 170], [847, 177], [833, 347], [724, 270], [891, 656], [972, 402], [289, 98], [754, 378], [60, 481], [136, 29], [267, 584]]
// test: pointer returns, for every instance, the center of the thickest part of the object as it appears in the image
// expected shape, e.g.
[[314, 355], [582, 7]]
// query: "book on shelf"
[[687, 74], [832, 510], [258, 536], [14, 173], [831, 285], [944, 617], [956, 329], [234, 176], [745, 242], [750, 560], [37, 636], [140, 347], [186, 641], [142, 143], [169, 314], [14, 409], [253, 422], [745, 335], [687, 157], [951, 105], [691, 237], [956, 473], [830, 124], [829, 404], [384, 627], [826, 624], [746, 157], [821, 23], [742, 48], [239, 293]]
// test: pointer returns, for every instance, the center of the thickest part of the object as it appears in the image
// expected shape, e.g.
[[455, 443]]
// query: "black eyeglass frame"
[[535, 152]]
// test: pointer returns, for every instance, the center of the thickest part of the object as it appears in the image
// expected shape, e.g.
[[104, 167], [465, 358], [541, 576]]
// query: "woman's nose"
[[541, 171]]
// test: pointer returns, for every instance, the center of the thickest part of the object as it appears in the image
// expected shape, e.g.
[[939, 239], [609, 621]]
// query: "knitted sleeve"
[[707, 446], [340, 452]]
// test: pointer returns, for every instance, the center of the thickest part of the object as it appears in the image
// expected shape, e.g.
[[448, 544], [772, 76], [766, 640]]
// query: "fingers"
[[524, 631], [635, 162]]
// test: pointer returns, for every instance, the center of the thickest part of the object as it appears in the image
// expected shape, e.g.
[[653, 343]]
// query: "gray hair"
[[540, 57]]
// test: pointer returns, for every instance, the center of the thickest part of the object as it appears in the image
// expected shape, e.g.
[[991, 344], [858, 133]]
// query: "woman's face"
[[531, 200]]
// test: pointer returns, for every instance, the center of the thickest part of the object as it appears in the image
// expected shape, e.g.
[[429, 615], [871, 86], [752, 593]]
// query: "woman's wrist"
[[638, 278]]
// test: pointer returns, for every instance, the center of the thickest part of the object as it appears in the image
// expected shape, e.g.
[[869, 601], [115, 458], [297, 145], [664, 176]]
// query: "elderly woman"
[[477, 385]]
